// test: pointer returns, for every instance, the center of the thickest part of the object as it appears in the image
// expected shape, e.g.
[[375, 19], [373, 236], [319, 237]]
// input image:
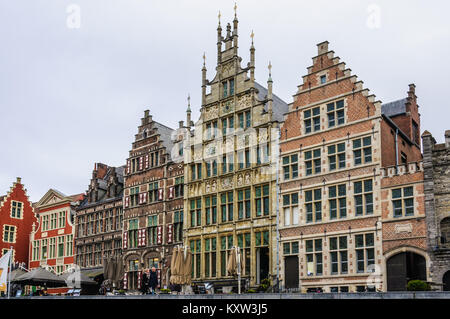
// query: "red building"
[[52, 241], [16, 221]]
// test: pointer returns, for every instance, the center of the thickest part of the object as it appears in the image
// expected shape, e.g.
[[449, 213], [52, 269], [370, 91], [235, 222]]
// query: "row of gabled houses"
[[333, 192]]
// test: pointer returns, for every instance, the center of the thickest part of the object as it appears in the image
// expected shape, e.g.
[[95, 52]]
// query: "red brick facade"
[[335, 204], [16, 211], [153, 199]]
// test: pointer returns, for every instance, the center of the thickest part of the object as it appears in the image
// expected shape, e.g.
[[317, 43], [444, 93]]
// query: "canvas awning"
[[40, 277]]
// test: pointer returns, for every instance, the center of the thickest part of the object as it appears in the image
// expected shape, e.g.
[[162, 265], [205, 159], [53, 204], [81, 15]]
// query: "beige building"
[[230, 170]]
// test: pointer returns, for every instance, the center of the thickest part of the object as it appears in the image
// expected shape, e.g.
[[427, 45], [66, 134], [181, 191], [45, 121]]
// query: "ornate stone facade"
[[436, 165], [230, 170]]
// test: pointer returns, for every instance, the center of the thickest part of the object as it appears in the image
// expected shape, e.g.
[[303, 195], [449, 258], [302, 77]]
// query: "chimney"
[[322, 47], [19, 180], [447, 139], [180, 124]]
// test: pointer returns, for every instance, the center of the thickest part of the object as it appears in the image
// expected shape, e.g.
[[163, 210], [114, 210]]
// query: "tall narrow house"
[[230, 170], [352, 208], [153, 203]]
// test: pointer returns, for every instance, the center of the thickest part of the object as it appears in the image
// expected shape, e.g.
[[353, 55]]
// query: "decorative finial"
[[270, 68], [235, 9], [252, 36], [219, 17], [189, 103], [204, 59]]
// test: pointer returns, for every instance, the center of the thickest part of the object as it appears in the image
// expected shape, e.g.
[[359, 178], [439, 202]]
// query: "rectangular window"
[[262, 200], [362, 150], [290, 166], [226, 243], [291, 209], [336, 156], [16, 209], [312, 120], [134, 196], [338, 255], [211, 210], [226, 206], [133, 225], [9, 234], [241, 120], [210, 257], [179, 186], [152, 228], [363, 197], [313, 205], [61, 246], [225, 89], [152, 192], [244, 245], [244, 207], [196, 257], [335, 113], [314, 261], [323, 79], [403, 201], [365, 252], [196, 212], [312, 162], [178, 226], [337, 201]]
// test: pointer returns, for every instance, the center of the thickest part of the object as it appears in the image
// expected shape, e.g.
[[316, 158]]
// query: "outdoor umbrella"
[[76, 279], [40, 277], [231, 263], [187, 267], [119, 272], [16, 273], [112, 268], [105, 268], [179, 266], [173, 265]]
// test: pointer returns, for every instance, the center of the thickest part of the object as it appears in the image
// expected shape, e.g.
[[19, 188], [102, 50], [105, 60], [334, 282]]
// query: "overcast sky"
[[70, 97]]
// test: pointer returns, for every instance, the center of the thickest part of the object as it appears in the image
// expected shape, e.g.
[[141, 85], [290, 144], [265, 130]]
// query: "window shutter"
[[159, 235], [144, 239], [169, 233], [141, 163], [146, 161], [160, 194], [127, 201], [139, 279], [171, 192], [139, 238], [125, 281], [144, 197], [124, 240]]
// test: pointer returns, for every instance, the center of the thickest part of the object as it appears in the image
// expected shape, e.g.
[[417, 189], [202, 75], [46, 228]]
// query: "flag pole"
[[9, 272], [238, 253]]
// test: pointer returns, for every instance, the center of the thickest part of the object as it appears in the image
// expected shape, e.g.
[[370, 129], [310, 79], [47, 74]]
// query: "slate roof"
[[394, 108], [165, 135], [103, 184], [279, 107]]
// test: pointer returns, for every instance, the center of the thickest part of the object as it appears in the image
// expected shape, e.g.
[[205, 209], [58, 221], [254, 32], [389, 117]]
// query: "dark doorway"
[[291, 271], [262, 263], [446, 281], [404, 267]]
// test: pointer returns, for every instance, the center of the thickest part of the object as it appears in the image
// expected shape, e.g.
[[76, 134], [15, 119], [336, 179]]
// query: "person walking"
[[153, 280], [145, 280]]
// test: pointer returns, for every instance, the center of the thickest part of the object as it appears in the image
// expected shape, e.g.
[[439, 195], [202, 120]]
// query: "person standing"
[[145, 280], [153, 280]]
